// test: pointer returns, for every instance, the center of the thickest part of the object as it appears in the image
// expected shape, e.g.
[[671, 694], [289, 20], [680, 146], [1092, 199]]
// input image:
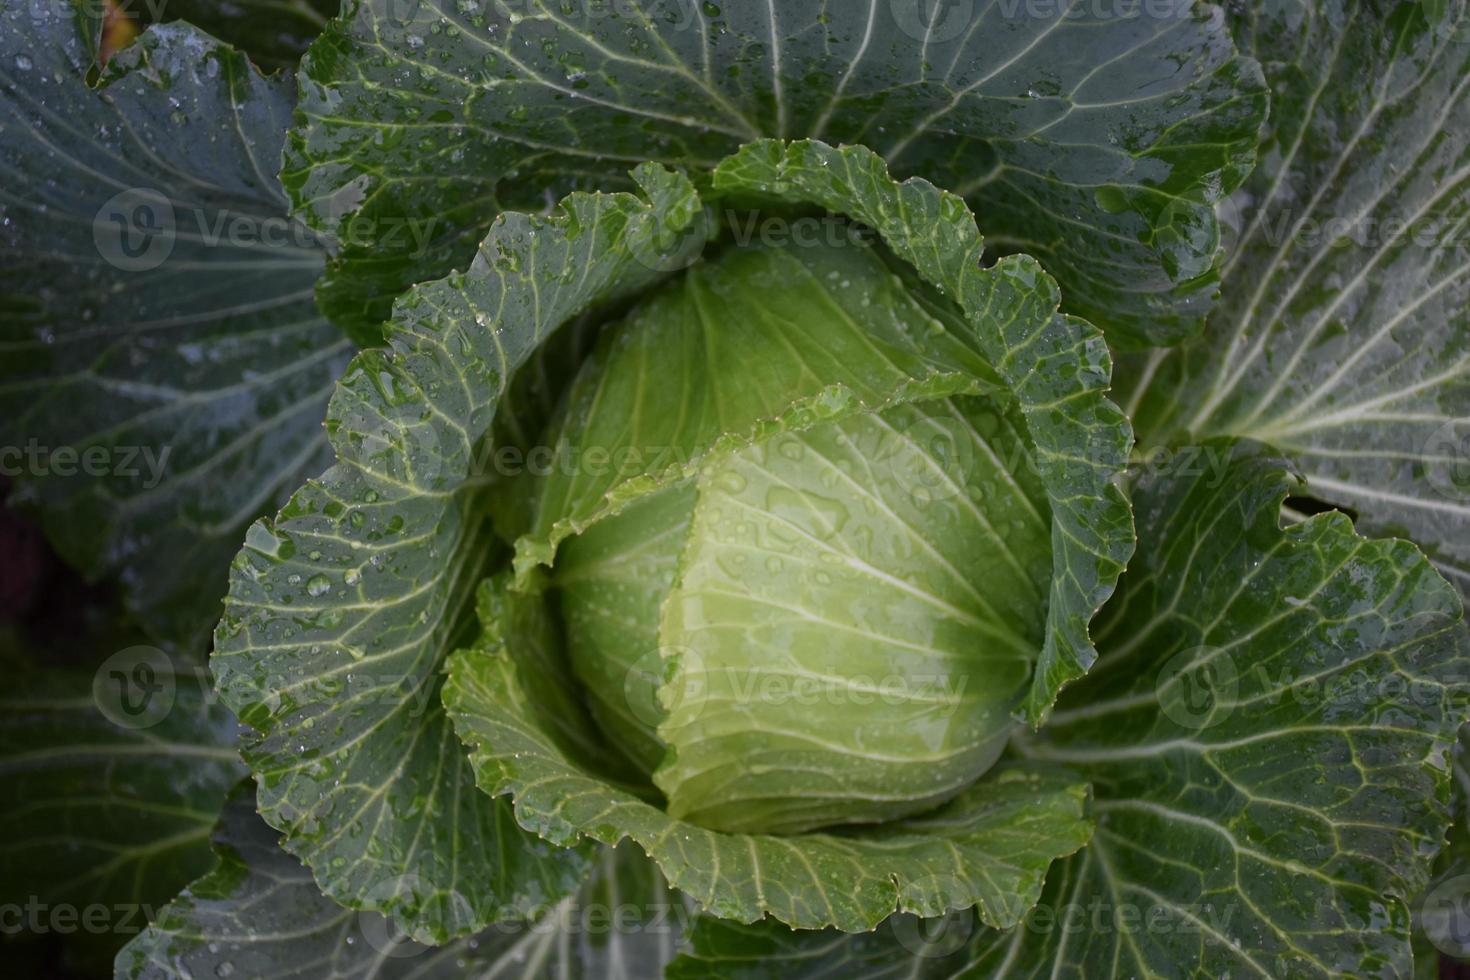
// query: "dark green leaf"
[[259, 914], [160, 389], [111, 784], [1343, 334], [1268, 732], [421, 119]]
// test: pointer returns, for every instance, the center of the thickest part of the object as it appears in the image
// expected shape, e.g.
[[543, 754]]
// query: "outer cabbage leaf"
[[164, 367], [341, 610], [1343, 337], [420, 121], [1267, 733], [108, 807], [989, 847], [258, 913]]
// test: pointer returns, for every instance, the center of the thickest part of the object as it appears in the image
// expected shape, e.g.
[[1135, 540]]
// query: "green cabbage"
[[850, 611], [805, 489]]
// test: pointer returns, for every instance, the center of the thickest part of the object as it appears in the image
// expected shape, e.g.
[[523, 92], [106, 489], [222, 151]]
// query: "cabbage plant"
[[805, 489]]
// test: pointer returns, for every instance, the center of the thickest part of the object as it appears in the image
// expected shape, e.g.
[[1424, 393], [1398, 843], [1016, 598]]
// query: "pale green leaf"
[[850, 650], [1056, 367]]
